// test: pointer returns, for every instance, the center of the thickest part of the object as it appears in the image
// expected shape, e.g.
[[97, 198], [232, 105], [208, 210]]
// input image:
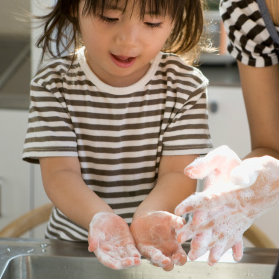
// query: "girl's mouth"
[[123, 61]]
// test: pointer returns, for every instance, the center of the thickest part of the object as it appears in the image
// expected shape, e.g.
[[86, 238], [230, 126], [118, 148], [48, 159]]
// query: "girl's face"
[[120, 45]]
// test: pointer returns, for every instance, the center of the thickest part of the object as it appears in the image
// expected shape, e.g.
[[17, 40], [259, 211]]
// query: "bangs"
[[172, 8]]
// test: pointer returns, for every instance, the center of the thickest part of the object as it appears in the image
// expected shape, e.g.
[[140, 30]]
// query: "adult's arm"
[[260, 88]]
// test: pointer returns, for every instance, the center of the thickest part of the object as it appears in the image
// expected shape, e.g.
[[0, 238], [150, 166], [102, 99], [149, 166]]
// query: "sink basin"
[[58, 259], [39, 267]]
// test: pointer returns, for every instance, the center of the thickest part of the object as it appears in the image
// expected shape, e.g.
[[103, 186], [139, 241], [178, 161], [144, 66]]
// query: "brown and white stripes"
[[118, 134]]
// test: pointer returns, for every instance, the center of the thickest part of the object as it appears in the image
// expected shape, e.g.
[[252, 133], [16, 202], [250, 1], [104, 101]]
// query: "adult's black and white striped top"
[[250, 42], [118, 134]]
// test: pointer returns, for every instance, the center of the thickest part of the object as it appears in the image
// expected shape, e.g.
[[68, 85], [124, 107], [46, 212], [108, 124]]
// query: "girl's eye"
[[108, 19], [153, 25]]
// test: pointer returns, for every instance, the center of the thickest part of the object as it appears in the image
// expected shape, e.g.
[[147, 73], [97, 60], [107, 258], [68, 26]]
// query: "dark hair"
[[187, 16]]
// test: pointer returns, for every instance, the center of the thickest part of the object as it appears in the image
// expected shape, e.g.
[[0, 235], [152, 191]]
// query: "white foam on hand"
[[110, 239], [236, 193], [156, 238]]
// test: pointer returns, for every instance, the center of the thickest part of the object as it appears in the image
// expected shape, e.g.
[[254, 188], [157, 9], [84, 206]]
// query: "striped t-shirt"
[[250, 41], [118, 134]]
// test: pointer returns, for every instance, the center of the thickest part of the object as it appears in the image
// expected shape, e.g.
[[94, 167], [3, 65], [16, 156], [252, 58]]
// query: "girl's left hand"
[[156, 239]]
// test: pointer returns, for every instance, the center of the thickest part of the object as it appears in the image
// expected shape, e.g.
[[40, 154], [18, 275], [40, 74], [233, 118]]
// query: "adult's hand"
[[156, 238], [110, 239], [236, 193]]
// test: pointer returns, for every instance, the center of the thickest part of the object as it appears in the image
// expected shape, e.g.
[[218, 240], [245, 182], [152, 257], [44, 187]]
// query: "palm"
[[155, 236], [110, 239]]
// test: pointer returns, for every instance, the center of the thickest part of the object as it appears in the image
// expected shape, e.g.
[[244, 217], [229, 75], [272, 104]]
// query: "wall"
[[38, 7], [12, 13]]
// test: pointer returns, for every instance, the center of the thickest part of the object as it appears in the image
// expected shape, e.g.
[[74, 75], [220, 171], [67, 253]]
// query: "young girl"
[[114, 125]]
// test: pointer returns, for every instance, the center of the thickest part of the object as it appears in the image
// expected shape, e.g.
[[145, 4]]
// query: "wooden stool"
[[27, 221]]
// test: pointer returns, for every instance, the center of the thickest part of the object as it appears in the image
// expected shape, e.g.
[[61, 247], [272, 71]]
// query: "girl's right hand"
[[110, 239], [155, 237]]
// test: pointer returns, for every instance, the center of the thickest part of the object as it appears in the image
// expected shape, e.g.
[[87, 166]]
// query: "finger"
[[238, 251], [133, 251], [116, 252], [194, 202], [130, 261], [198, 169], [200, 244], [216, 158], [216, 252], [114, 260], [107, 259], [199, 217], [185, 233], [177, 222], [179, 257], [123, 255], [169, 267], [156, 256]]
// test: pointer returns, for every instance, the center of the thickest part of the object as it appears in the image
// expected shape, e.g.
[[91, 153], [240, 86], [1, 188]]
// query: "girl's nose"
[[127, 35]]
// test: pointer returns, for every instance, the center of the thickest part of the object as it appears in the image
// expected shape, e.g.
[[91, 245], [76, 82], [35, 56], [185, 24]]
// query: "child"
[[114, 125]]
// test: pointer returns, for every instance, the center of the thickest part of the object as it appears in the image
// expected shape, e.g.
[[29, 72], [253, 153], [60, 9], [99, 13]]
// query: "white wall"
[[12, 13]]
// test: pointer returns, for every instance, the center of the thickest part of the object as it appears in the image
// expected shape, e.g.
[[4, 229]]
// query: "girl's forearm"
[[170, 190], [70, 194]]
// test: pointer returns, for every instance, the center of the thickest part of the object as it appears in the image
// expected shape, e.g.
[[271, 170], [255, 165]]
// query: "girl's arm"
[[109, 236], [154, 226], [261, 95], [171, 188], [65, 187]]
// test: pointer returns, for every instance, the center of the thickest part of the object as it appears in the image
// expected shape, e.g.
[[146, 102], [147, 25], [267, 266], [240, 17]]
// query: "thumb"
[[93, 243], [194, 202], [238, 251], [177, 222], [215, 159]]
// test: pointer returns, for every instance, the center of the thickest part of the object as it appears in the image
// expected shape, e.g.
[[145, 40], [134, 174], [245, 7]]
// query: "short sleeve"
[[249, 39], [188, 131], [50, 130]]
